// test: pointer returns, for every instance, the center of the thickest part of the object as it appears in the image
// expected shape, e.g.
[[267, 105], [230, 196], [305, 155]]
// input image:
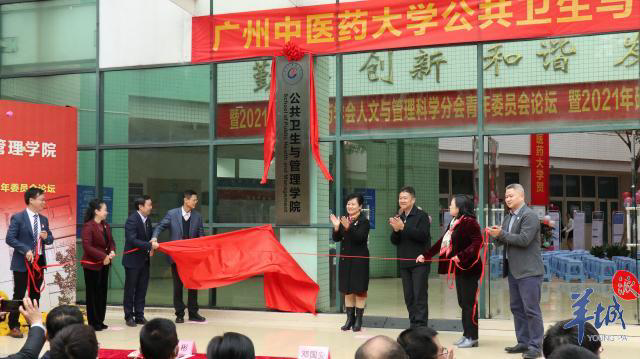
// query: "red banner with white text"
[[539, 162], [581, 102], [380, 24], [38, 149]]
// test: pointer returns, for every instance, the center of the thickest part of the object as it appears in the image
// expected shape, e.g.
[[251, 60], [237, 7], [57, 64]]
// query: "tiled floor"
[[282, 333]]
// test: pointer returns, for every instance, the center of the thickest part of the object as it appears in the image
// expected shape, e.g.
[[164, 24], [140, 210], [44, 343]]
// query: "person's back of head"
[[380, 347], [557, 336], [159, 339], [61, 317], [570, 351], [231, 345], [75, 341], [418, 342]]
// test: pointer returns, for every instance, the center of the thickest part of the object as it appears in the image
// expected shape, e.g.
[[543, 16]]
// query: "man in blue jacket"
[[184, 222], [28, 234], [137, 234]]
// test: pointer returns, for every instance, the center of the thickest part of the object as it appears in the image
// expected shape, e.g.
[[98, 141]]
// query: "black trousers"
[[466, 287], [414, 284], [178, 303], [96, 284], [136, 282], [19, 291]]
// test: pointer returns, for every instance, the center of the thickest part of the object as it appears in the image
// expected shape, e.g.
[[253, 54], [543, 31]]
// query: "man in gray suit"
[[184, 223], [520, 234]]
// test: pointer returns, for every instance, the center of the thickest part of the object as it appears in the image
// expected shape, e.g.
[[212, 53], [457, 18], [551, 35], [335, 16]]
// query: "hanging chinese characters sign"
[[539, 161], [378, 24]]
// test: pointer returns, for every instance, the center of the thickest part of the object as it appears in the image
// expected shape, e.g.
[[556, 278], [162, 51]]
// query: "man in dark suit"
[[184, 223], [36, 337], [137, 233], [411, 235], [28, 234], [520, 234]]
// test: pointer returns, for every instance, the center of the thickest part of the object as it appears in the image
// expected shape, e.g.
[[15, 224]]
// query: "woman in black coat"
[[353, 232]]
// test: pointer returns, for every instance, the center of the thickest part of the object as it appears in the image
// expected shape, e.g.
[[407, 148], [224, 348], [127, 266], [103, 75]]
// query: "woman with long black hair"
[[99, 249], [461, 243]]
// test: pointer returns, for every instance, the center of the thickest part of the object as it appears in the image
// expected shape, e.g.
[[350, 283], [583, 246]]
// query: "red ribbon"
[[293, 53]]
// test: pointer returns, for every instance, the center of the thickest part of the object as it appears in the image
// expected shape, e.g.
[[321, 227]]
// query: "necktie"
[[35, 232]]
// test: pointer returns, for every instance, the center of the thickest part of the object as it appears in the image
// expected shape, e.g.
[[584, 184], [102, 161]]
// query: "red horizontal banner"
[[583, 102], [382, 24]]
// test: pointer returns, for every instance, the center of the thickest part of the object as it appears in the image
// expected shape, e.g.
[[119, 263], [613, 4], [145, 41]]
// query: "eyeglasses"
[[443, 352]]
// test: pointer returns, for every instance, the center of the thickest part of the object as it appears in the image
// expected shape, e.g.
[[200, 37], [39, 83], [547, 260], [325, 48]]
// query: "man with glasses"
[[28, 233], [423, 342]]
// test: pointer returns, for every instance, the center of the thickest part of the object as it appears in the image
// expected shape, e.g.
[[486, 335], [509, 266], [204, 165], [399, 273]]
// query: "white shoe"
[[459, 341], [468, 343]]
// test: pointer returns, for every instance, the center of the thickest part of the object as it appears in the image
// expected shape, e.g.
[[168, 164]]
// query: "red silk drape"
[[227, 258]]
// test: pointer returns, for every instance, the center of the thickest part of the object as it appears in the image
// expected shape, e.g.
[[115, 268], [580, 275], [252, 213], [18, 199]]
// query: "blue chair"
[[573, 270], [604, 270], [547, 271]]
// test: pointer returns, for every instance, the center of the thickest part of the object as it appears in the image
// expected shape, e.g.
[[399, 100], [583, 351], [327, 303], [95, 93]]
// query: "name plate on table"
[[305, 352], [187, 348]]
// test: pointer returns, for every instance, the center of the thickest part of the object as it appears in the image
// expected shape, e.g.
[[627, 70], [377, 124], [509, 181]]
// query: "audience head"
[[380, 347], [570, 351], [230, 345], [420, 343], [60, 317], [159, 339], [76, 341], [557, 336]]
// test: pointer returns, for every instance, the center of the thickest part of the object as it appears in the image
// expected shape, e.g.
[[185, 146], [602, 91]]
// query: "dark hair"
[[94, 205], [465, 205], [557, 336], [158, 339], [570, 351], [357, 196], [188, 193], [77, 341], [140, 201], [385, 348], [409, 190], [60, 317], [230, 345], [418, 342], [32, 193]]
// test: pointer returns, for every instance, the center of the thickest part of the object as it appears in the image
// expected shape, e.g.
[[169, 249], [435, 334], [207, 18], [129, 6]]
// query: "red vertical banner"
[[539, 161], [38, 149]]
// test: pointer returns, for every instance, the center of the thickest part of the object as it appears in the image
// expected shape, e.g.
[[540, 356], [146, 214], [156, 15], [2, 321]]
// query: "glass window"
[[48, 35], [572, 186], [157, 105], [555, 182], [554, 83], [405, 90], [443, 183], [588, 186], [77, 90], [511, 177], [462, 182], [608, 187]]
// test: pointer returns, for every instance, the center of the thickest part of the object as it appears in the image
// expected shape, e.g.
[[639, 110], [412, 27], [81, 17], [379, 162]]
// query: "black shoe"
[[518, 348], [195, 317], [357, 326], [131, 322], [97, 327], [532, 354], [351, 318], [142, 320], [103, 326], [180, 320]]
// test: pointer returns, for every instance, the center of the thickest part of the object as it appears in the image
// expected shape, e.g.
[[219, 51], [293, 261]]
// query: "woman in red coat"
[[99, 249], [461, 243]]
